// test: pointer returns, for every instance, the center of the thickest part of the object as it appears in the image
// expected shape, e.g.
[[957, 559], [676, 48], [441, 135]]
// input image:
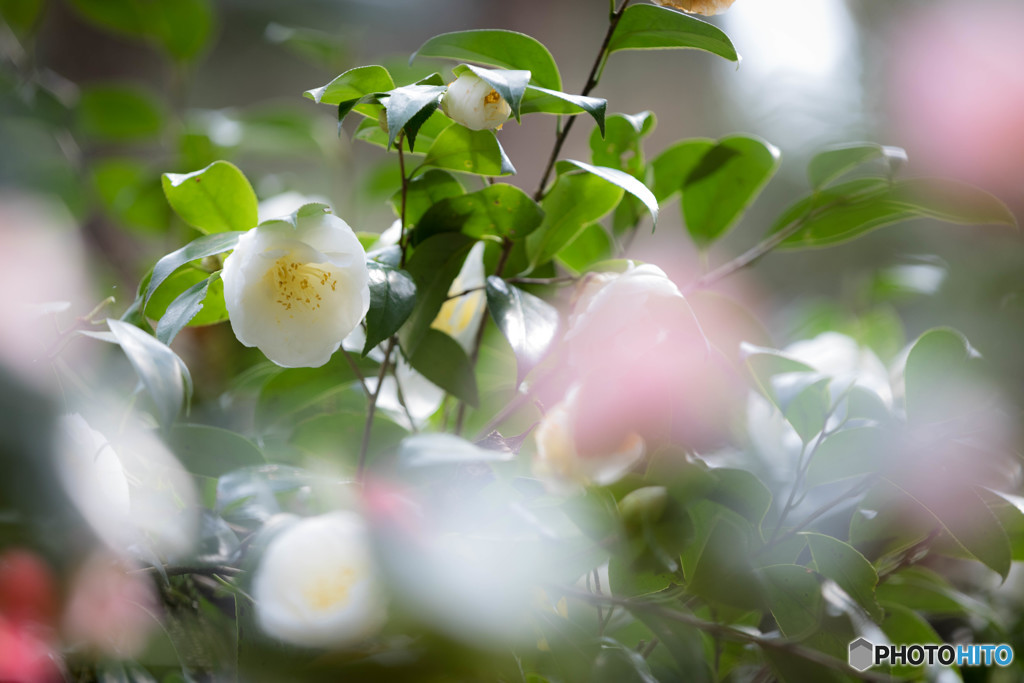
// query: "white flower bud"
[[705, 7], [295, 293], [471, 101], [560, 465], [316, 584]]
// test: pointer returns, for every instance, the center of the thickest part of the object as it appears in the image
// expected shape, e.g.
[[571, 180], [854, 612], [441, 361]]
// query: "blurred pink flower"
[[957, 93], [28, 610]]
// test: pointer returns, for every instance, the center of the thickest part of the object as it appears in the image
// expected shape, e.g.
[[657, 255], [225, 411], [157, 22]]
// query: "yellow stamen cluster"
[[299, 284], [329, 590], [492, 97]]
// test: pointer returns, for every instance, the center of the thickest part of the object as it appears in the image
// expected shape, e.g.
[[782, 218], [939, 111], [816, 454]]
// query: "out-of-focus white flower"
[[705, 7], [317, 584], [845, 361], [137, 494], [471, 101], [560, 465], [295, 292], [110, 609]]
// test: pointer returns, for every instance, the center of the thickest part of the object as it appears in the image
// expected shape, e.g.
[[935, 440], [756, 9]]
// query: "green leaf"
[[511, 85], [968, 521], [208, 245], [370, 130], [848, 568], [723, 183], [943, 378], [620, 178], [409, 107], [458, 148], [321, 48], [717, 564], [673, 166], [851, 452], [903, 625], [591, 246], [833, 163], [423, 191], [497, 210], [430, 450], [793, 595], [336, 436], [843, 212], [213, 310], [295, 394], [181, 27], [392, 298], [182, 310], [440, 359], [647, 27], [529, 323], [632, 582], [433, 265], [539, 100], [131, 194], [620, 146], [496, 47], [924, 590], [21, 15], [159, 369], [741, 492], [119, 113], [217, 198], [575, 201], [352, 85], [211, 451]]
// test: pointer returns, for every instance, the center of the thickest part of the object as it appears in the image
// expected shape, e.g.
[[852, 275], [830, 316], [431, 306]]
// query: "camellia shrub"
[[483, 445]]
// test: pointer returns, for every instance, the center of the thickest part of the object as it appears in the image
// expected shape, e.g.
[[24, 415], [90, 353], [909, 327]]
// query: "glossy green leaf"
[[181, 27], [496, 47], [848, 568], [159, 369], [717, 564], [510, 84], [458, 148], [295, 394], [352, 85], [213, 310], [370, 130], [539, 100], [208, 245], [648, 27], [925, 590], [620, 178], [630, 582], [440, 359], [433, 265], [886, 523], [848, 210], [499, 210], [620, 147], [741, 492], [392, 298], [575, 201], [591, 246], [183, 310], [119, 113], [903, 626], [833, 163], [409, 107], [850, 452], [337, 436], [425, 190], [529, 323], [673, 166], [431, 450], [968, 521], [211, 451], [943, 378], [217, 198]]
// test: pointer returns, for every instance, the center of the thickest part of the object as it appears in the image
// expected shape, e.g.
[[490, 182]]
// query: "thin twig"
[[592, 80], [356, 370], [372, 408]]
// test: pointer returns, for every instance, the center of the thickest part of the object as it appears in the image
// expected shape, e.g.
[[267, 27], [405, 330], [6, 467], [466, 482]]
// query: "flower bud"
[[705, 7], [316, 584], [643, 504], [296, 292], [471, 101]]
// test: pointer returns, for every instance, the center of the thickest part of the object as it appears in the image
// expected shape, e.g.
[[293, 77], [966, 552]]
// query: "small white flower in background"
[[471, 101], [558, 462], [316, 584], [296, 292], [705, 7], [136, 494], [845, 361]]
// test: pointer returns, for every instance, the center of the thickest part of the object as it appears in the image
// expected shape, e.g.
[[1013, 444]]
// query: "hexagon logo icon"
[[861, 654]]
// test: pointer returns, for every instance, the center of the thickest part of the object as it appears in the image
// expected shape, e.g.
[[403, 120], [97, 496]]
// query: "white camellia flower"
[[316, 584], [135, 494], [558, 462], [295, 290], [471, 101], [705, 7]]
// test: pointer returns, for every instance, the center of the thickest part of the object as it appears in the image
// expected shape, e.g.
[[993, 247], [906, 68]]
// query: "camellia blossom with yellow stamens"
[[705, 7], [296, 290], [316, 584], [471, 101]]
